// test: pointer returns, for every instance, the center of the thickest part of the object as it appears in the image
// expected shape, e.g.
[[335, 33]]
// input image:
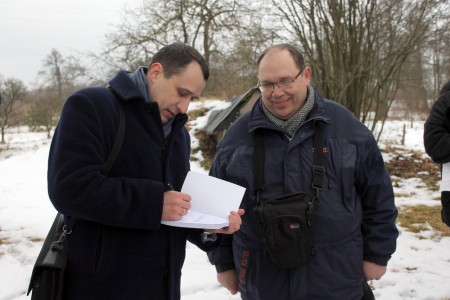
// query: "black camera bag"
[[287, 221]]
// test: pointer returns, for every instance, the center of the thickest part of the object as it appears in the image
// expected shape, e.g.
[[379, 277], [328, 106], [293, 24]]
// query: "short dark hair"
[[175, 57], [293, 50]]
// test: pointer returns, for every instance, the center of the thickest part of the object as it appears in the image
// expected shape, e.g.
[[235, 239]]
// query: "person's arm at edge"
[[379, 212]]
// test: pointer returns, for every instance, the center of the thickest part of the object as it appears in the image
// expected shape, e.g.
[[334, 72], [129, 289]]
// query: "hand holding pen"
[[176, 205]]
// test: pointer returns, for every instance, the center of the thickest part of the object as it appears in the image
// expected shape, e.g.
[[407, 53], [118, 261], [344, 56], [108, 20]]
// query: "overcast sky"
[[29, 29]]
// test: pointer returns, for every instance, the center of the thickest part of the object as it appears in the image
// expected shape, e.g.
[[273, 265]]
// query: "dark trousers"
[[368, 294]]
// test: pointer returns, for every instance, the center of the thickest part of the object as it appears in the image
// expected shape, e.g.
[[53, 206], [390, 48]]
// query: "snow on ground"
[[419, 269]]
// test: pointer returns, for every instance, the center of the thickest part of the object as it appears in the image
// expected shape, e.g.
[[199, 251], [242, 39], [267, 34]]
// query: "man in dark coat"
[[436, 138], [119, 249], [354, 232]]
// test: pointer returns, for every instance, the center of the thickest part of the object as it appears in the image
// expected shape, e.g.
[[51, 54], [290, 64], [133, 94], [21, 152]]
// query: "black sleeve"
[[195, 237], [436, 135]]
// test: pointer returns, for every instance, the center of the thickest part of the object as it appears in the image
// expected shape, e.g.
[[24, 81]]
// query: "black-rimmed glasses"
[[268, 87]]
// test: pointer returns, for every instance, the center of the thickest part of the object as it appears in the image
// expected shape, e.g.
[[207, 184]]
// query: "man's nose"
[[183, 105], [277, 90]]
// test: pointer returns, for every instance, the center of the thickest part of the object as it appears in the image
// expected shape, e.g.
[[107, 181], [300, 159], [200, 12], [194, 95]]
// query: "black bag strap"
[[109, 161], [318, 160], [119, 139], [318, 157], [258, 164]]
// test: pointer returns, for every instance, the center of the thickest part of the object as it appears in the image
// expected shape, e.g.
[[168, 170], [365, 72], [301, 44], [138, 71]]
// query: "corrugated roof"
[[219, 120]]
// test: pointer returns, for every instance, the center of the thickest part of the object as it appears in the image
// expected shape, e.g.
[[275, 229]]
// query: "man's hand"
[[235, 223], [373, 271], [175, 206], [229, 280]]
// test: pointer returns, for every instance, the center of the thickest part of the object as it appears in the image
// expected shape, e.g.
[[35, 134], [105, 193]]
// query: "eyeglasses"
[[269, 87]]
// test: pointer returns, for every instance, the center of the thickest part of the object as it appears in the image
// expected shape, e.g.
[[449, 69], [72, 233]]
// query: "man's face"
[[174, 94], [276, 66]]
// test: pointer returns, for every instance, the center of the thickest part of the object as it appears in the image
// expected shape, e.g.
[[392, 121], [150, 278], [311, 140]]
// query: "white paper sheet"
[[445, 182], [212, 200]]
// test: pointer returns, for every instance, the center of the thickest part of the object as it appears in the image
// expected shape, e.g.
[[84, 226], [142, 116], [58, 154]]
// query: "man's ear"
[[155, 70], [307, 74]]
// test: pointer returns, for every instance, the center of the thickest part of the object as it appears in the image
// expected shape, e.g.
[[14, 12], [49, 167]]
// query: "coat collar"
[[124, 87]]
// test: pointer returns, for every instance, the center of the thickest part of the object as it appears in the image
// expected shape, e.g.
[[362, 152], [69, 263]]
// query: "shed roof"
[[222, 119]]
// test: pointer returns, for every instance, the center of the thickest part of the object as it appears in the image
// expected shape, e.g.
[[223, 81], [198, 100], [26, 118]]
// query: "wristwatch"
[[208, 236]]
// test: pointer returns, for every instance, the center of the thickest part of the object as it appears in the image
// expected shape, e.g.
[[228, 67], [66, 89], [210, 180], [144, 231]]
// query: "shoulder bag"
[[287, 221]]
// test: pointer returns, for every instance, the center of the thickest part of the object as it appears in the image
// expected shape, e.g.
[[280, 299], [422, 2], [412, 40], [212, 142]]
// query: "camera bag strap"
[[317, 168]]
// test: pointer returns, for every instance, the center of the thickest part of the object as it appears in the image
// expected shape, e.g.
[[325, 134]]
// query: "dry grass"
[[207, 143], [411, 164], [36, 239], [207, 146], [4, 241], [420, 218], [194, 114]]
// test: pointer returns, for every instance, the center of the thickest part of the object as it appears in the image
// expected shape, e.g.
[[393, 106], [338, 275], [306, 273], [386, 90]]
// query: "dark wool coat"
[[119, 249], [436, 135], [436, 138], [355, 220]]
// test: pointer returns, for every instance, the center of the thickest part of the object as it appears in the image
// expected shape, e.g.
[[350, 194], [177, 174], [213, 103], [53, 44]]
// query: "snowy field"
[[420, 268]]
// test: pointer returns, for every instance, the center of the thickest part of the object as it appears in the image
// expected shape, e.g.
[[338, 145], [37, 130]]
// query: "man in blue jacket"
[[354, 233], [119, 249]]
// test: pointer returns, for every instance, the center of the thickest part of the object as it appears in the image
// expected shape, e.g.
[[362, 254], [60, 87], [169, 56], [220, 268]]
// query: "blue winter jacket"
[[118, 248], [355, 220]]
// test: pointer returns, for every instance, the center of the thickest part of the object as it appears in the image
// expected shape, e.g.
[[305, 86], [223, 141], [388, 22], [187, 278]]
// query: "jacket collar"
[[124, 87]]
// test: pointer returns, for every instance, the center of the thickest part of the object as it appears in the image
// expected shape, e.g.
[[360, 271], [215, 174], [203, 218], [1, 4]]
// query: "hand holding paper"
[[234, 225], [212, 200]]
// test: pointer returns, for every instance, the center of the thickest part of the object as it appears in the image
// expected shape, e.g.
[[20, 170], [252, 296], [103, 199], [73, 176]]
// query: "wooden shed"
[[220, 120]]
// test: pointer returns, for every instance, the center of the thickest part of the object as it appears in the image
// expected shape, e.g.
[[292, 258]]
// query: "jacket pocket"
[[339, 212], [102, 251], [343, 262], [340, 170]]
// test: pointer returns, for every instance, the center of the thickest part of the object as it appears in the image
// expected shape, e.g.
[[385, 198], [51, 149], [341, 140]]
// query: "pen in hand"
[[177, 203]]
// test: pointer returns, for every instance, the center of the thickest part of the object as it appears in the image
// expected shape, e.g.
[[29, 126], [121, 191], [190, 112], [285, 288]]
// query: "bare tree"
[[43, 110], [61, 74], [357, 48], [438, 62], [52, 71], [13, 92], [218, 28], [234, 71], [207, 25]]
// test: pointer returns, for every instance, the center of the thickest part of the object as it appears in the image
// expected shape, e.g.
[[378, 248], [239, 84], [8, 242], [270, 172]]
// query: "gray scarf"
[[290, 126], [140, 80]]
